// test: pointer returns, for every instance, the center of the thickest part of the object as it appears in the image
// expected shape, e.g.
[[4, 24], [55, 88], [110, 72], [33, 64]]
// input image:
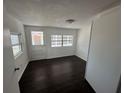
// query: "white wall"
[[61, 51], [15, 25], [10, 82], [83, 40], [104, 62], [47, 51]]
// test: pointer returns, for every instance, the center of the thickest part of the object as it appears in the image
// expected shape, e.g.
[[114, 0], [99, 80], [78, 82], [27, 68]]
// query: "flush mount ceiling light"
[[70, 21]]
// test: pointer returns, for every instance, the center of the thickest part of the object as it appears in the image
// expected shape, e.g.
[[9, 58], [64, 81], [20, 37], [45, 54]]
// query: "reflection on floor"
[[58, 75]]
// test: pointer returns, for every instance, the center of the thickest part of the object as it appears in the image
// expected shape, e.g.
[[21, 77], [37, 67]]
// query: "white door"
[[10, 83], [36, 51]]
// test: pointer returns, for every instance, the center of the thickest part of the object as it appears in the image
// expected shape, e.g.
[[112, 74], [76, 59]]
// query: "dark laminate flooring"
[[58, 75]]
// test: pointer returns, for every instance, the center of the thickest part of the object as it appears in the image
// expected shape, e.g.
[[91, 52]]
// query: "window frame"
[[56, 41], [19, 44], [32, 38], [67, 40], [62, 40]]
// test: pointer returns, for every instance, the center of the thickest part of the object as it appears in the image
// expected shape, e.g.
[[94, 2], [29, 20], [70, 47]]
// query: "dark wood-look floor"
[[58, 75]]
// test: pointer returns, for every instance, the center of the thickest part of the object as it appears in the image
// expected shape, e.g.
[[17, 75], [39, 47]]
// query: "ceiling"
[[55, 12]]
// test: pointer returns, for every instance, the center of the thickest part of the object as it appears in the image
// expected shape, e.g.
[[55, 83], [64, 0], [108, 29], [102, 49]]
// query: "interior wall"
[[10, 82], [83, 40], [15, 26], [104, 62], [47, 51]]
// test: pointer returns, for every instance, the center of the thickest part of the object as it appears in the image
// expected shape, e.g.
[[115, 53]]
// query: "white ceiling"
[[55, 12]]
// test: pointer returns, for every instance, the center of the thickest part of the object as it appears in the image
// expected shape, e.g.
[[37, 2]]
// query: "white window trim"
[[67, 40], [31, 37], [18, 55], [63, 40], [20, 43]]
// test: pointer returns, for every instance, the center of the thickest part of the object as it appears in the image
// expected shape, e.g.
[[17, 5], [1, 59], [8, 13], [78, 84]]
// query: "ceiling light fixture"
[[70, 21]]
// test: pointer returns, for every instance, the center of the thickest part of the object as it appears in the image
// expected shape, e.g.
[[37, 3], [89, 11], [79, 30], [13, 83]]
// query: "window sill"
[[18, 55], [38, 45], [61, 46]]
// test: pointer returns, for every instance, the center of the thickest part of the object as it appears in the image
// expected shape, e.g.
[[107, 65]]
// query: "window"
[[61, 40], [56, 40], [67, 40], [37, 38], [16, 44]]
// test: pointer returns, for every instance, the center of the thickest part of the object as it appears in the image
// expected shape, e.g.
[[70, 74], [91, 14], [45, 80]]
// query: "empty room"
[[61, 46]]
